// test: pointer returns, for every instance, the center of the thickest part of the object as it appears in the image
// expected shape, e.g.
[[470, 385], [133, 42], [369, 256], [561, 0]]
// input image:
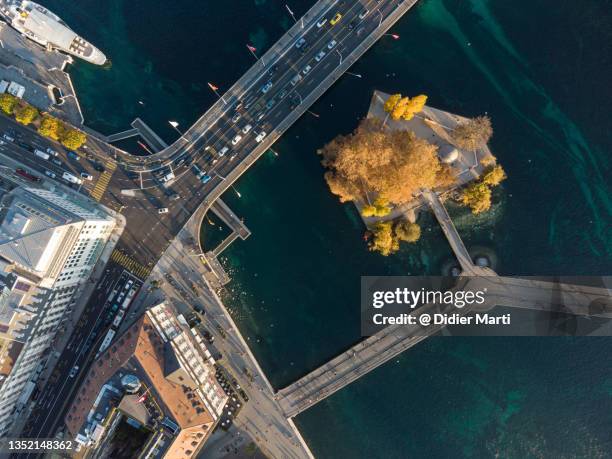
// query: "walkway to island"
[[393, 340]]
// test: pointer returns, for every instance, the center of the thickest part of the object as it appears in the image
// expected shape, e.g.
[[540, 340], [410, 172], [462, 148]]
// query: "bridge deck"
[[451, 233], [388, 343], [148, 135]]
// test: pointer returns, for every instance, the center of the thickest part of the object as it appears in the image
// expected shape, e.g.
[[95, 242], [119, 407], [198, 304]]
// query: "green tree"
[[51, 127], [407, 231], [26, 114], [494, 176], [383, 240], [7, 103], [477, 196], [73, 139], [473, 134]]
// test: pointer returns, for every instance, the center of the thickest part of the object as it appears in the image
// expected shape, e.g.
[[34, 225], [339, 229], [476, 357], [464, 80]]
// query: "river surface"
[[540, 69]]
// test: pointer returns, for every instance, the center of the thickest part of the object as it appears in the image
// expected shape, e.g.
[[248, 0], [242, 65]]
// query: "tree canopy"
[[8, 102], [383, 240], [404, 107], [494, 176], [473, 134], [73, 139], [379, 208], [407, 231], [477, 196], [392, 164], [51, 127], [26, 114]]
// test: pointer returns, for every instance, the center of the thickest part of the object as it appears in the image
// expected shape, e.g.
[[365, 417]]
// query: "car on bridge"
[[331, 44], [320, 56], [246, 129], [236, 117], [205, 178], [336, 19], [260, 136], [364, 13], [321, 22], [266, 87], [223, 151], [307, 69], [301, 42], [237, 138], [162, 210]]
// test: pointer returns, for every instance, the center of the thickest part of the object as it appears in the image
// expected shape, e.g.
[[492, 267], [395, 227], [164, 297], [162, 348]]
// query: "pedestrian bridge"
[[365, 356]]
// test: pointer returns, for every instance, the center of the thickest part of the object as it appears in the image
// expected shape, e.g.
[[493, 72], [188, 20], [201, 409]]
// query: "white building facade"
[[50, 242]]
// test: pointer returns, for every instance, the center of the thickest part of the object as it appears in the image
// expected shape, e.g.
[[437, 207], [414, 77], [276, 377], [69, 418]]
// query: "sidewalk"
[[260, 418]]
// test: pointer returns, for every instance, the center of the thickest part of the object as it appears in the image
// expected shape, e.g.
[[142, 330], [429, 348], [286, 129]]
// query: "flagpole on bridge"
[[215, 89], [252, 50]]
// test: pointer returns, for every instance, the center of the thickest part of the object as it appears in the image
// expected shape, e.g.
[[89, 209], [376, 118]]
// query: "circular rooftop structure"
[[130, 383], [448, 153]]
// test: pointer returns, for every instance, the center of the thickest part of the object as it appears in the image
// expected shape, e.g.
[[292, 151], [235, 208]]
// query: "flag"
[[395, 36], [213, 87], [174, 124], [251, 48]]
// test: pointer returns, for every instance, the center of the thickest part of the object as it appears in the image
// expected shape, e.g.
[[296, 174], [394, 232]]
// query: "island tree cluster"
[[386, 236], [404, 107], [389, 165], [477, 195], [473, 134]]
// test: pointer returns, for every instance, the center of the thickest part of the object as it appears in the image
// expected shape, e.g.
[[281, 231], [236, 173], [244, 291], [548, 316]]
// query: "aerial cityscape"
[[331, 229]]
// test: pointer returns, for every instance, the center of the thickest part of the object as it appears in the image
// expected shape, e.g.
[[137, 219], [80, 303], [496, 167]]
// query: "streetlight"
[[293, 16], [231, 186]]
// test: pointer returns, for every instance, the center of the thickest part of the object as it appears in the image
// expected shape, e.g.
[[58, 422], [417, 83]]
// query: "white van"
[[41, 154], [71, 178]]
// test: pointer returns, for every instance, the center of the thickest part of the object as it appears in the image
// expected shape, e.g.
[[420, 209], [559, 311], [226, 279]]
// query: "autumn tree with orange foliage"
[[393, 165]]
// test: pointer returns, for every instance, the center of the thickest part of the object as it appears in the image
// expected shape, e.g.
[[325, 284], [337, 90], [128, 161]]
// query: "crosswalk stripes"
[[103, 181], [130, 264]]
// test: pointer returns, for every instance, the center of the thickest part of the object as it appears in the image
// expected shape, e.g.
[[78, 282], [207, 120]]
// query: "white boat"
[[46, 28]]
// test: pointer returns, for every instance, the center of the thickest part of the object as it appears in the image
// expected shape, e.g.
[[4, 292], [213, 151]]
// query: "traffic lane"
[[36, 141], [74, 354], [321, 34]]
